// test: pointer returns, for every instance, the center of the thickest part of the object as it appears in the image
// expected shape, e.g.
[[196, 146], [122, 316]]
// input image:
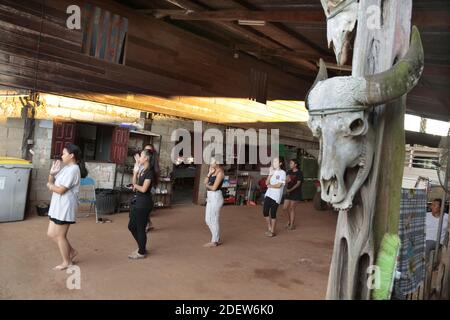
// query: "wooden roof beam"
[[420, 17], [307, 16], [279, 52], [281, 34], [249, 35]]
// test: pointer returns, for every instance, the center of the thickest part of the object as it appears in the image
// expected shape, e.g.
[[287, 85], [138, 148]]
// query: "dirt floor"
[[292, 265]]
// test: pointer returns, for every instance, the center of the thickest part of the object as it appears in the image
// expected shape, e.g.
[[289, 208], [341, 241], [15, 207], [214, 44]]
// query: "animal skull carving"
[[341, 20], [339, 117]]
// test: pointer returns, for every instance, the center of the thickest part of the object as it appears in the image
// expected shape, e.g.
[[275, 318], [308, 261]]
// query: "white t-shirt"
[[64, 206], [279, 176], [432, 225]]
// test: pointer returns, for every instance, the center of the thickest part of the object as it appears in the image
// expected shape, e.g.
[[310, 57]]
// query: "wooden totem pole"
[[360, 123]]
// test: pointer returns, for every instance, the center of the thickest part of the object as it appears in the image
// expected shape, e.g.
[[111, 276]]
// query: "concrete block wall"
[[102, 173], [127, 178], [41, 162], [165, 125], [11, 135]]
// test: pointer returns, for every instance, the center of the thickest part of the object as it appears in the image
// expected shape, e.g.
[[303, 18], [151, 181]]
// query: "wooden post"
[[28, 114], [376, 211]]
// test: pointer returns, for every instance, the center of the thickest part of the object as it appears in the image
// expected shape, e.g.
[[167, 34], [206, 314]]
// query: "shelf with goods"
[[237, 187], [243, 193], [162, 198], [229, 186]]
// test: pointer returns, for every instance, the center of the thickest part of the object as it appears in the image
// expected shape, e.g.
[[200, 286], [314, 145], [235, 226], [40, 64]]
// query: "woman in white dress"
[[65, 185]]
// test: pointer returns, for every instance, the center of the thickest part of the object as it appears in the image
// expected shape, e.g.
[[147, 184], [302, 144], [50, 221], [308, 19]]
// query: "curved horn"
[[321, 75], [399, 79]]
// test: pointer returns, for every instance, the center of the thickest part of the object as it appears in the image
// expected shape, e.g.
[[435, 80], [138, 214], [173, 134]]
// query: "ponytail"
[[83, 171], [154, 165], [76, 151]]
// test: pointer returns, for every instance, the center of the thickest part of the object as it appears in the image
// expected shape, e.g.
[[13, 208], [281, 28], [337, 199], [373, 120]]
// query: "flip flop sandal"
[[61, 268], [210, 245]]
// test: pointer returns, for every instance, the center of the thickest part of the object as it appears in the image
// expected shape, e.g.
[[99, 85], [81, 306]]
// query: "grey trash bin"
[[14, 176]]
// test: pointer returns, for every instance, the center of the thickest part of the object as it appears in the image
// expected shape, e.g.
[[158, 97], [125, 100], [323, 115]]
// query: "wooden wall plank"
[[167, 70]]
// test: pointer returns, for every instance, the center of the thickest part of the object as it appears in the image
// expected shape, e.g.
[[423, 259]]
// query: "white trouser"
[[214, 202]]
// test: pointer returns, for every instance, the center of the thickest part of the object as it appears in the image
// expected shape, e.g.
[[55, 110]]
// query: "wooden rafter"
[[309, 16], [279, 52], [278, 37], [422, 17]]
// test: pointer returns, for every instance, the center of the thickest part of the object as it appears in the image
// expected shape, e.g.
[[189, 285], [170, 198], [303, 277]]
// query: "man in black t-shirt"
[[293, 192]]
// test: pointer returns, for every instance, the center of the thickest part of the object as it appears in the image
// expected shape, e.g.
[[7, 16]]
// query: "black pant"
[[137, 224], [270, 206]]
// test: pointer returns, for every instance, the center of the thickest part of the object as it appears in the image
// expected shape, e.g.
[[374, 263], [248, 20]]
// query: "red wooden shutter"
[[119, 145], [63, 134]]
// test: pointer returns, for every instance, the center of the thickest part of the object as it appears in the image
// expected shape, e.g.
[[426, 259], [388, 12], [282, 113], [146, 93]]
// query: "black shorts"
[[56, 221], [294, 196], [270, 206]]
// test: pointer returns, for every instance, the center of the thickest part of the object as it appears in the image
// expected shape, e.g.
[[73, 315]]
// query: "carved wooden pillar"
[[383, 33]]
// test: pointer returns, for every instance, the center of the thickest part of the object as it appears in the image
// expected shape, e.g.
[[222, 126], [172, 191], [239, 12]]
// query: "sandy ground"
[[292, 265]]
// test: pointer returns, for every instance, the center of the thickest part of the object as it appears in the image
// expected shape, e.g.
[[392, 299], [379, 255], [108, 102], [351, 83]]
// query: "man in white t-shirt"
[[275, 186], [432, 225]]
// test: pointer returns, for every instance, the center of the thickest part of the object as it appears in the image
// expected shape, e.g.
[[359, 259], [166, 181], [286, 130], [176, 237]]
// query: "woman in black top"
[[293, 192], [141, 203], [155, 164], [213, 184]]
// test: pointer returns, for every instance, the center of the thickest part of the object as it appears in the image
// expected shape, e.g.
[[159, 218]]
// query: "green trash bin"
[[14, 177]]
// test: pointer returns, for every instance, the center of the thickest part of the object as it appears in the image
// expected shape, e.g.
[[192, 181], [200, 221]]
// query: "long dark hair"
[[153, 161], [76, 151], [296, 162]]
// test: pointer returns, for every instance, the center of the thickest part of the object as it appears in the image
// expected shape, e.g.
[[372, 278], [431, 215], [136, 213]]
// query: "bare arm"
[[275, 186], [297, 185], [56, 167], [218, 180], [59, 190], [144, 188], [135, 179]]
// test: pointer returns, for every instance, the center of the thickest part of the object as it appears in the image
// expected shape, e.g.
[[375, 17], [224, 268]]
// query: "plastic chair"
[[89, 186]]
